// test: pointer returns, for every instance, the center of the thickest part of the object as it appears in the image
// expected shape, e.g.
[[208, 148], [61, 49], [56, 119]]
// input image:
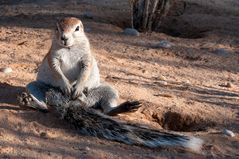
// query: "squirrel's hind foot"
[[27, 100], [128, 106]]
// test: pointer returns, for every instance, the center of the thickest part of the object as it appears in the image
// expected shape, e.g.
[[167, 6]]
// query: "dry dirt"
[[191, 87]]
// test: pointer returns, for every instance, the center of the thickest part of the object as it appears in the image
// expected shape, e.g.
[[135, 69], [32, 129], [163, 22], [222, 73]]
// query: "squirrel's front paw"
[[66, 88], [77, 93]]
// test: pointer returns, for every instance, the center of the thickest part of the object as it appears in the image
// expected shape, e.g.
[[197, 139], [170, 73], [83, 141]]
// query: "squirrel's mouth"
[[65, 44]]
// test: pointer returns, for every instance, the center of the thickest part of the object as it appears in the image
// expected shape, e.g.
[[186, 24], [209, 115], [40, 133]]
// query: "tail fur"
[[91, 122]]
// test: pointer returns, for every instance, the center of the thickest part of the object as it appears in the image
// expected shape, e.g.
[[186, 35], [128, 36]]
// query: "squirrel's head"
[[69, 31]]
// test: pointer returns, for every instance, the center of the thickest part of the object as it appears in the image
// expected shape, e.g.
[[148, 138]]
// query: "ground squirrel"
[[89, 121], [71, 66]]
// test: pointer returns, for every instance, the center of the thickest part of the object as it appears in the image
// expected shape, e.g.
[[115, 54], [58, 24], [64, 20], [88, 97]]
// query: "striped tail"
[[91, 122]]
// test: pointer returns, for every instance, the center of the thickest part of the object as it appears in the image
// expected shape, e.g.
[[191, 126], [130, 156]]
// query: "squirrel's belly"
[[70, 70]]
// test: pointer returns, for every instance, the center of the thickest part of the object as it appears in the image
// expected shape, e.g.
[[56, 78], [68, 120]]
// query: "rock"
[[164, 83], [222, 52], [162, 44], [6, 70], [87, 148], [187, 82], [228, 133], [161, 77], [131, 32], [227, 84]]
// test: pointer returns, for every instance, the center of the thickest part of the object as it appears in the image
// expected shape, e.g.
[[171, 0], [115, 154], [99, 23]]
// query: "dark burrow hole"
[[178, 121], [184, 122], [185, 34], [178, 27]]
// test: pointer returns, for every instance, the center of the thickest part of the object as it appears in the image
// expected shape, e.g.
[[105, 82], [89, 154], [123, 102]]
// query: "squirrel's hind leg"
[[34, 96], [108, 98]]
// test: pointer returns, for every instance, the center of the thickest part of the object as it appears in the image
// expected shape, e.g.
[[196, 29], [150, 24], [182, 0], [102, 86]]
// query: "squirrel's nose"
[[63, 37]]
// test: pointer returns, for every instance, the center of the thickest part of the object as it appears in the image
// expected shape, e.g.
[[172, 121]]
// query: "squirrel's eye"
[[77, 28]]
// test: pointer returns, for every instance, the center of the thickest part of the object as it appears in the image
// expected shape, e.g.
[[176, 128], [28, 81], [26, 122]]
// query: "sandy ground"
[[191, 87]]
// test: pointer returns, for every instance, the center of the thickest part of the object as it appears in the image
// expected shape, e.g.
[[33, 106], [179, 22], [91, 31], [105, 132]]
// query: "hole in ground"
[[190, 34], [178, 121], [179, 27], [184, 122]]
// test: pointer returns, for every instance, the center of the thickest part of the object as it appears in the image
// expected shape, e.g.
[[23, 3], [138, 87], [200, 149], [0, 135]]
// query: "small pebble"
[[162, 44], [187, 82], [161, 77], [87, 148], [163, 83], [6, 70], [227, 84], [228, 133], [131, 32]]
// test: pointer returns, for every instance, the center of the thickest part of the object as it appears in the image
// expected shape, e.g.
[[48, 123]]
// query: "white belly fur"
[[70, 60]]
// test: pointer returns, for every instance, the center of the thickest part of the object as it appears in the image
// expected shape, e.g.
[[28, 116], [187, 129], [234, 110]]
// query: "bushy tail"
[[91, 122]]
